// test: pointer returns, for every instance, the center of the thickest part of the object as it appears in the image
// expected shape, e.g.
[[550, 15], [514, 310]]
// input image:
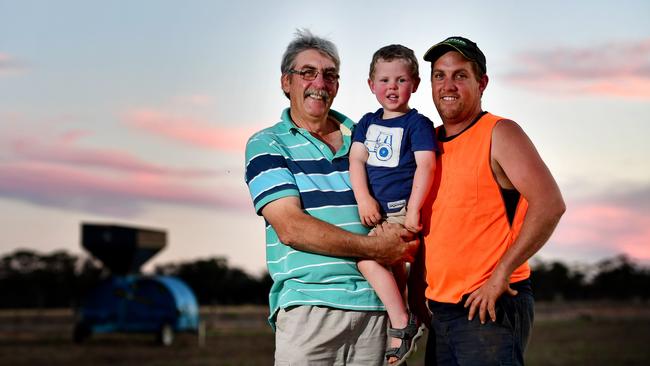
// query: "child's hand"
[[369, 212], [412, 222]]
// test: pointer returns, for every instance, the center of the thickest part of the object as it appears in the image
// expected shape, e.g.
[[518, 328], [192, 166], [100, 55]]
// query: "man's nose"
[[449, 84], [319, 80]]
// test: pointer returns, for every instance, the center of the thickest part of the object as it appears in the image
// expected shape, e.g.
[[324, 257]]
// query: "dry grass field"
[[564, 334]]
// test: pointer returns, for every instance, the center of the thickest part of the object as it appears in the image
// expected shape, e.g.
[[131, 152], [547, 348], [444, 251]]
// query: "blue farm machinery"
[[128, 301]]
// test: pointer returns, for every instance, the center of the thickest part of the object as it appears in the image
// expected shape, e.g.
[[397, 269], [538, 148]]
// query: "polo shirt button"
[[322, 147]]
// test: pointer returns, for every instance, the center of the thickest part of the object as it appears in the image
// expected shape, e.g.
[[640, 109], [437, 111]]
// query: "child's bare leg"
[[401, 278], [383, 282]]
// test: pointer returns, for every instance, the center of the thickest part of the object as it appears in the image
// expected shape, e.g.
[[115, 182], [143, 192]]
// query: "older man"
[[494, 204], [322, 309]]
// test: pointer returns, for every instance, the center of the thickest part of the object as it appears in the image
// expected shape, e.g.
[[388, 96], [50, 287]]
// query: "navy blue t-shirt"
[[391, 161]]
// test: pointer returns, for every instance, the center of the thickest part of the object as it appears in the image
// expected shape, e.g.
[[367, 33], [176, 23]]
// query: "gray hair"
[[305, 40]]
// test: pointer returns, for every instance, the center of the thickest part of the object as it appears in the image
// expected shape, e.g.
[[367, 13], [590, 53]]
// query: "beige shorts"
[[398, 217], [316, 335]]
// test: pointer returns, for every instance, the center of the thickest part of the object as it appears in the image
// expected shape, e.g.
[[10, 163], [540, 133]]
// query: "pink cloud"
[[626, 88], [10, 66], [67, 187], [620, 69], [65, 151], [607, 226], [72, 136], [56, 168], [189, 130]]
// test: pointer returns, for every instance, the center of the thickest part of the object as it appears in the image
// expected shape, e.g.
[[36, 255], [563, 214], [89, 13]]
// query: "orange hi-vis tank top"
[[468, 229]]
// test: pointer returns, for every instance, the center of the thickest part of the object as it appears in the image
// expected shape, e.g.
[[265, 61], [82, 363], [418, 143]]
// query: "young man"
[[494, 204]]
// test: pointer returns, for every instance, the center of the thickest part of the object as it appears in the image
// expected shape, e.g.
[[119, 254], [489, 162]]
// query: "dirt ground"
[[241, 336]]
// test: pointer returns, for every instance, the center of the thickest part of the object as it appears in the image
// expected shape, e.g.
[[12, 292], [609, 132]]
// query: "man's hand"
[[395, 244], [369, 211], [485, 297]]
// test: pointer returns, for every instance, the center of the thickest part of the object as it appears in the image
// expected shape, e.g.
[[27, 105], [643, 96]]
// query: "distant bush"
[[214, 282], [32, 280], [616, 278], [29, 279]]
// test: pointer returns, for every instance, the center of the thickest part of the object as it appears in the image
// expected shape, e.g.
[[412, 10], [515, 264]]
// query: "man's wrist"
[[502, 272], [368, 247]]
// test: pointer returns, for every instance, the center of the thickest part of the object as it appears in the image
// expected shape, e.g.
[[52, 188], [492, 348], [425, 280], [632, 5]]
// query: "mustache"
[[318, 92]]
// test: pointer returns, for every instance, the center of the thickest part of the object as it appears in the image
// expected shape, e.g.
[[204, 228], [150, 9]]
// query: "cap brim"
[[440, 49]]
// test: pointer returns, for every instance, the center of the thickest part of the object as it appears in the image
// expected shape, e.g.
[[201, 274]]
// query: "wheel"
[[166, 335], [81, 332]]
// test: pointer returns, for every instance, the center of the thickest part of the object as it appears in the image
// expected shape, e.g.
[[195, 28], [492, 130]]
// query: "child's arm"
[[422, 181], [368, 207]]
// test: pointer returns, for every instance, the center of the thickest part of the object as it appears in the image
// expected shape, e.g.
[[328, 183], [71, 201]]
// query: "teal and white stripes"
[[284, 161]]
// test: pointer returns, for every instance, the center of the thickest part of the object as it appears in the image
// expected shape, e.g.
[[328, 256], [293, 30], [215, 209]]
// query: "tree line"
[[617, 278], [29, 279]]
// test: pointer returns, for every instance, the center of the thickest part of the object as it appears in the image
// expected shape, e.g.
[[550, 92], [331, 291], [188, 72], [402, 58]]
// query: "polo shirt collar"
[[346, 123], [346, 126]]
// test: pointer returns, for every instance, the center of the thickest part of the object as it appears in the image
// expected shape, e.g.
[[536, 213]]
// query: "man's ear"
[[482, 84], [285, 82]]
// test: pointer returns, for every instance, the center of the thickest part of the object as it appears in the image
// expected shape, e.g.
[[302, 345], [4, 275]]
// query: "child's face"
[[392, 85]]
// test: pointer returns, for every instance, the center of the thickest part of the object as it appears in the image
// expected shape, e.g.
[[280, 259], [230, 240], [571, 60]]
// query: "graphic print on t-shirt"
[[383, 144]]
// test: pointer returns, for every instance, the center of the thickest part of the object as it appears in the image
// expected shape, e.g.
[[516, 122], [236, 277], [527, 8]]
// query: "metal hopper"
[[122, 249], [127, 301]]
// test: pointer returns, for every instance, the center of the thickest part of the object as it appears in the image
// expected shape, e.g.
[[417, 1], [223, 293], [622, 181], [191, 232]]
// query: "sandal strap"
[[401, 333], [407, 335], [392, 352], [408, 331]]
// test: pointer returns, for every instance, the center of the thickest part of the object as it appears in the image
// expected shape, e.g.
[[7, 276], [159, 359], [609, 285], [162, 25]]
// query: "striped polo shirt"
[[285, 161]]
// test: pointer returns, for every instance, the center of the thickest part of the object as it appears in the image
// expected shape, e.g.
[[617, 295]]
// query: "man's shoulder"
[[498, 127], [265, 134], [274, 131], [265, 142], [272, 134], [494, 119]]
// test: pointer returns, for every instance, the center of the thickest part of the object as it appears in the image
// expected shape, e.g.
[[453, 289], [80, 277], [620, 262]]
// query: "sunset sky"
[[137, 112]]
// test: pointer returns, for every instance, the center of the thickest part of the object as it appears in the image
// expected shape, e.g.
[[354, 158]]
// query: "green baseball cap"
[[463, 45]]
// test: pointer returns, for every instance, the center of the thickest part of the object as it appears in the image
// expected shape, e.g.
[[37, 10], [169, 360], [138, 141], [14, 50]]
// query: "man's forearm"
[[306, 233], [540, 222]]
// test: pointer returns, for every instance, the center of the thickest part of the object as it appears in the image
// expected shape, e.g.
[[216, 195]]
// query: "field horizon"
[[565, 333]]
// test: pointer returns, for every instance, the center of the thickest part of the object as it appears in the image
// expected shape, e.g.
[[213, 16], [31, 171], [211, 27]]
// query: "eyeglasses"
[[309, 74]]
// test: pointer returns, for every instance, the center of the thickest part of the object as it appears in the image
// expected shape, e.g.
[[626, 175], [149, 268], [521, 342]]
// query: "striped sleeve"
[[267, 174]]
